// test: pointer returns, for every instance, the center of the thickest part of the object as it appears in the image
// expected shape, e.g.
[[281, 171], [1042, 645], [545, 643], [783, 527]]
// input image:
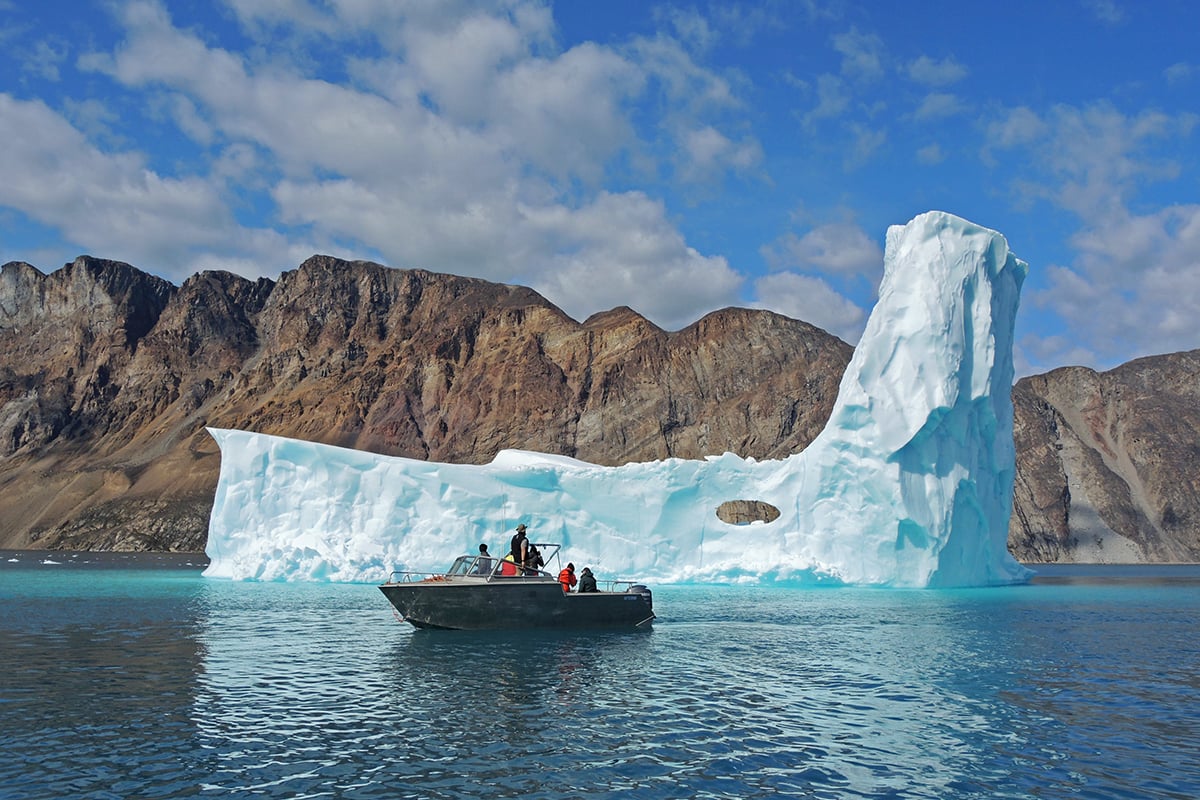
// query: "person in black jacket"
[[533, 560], [587, 581], [519, 546]]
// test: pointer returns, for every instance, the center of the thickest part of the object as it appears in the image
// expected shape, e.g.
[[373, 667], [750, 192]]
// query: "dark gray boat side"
[[475, 595]]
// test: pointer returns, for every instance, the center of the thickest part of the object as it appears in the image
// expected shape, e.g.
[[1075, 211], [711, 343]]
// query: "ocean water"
[[124, 676]]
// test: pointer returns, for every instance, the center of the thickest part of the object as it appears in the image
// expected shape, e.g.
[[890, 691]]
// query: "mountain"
[[109, 375]]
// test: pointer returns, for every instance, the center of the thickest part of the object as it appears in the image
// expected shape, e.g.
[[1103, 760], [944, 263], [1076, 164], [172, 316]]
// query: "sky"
[[676, 158]]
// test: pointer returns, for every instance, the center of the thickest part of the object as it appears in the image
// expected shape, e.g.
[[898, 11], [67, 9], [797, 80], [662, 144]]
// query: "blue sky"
[[676, 158]]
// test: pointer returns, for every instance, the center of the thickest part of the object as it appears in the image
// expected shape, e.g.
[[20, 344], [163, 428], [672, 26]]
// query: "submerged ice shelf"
[[910, 483]]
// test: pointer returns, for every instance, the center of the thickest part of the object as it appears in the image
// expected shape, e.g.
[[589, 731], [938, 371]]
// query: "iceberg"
[[909, 485]]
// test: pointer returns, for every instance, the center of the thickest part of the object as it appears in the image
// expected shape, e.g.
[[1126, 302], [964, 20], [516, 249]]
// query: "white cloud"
[[931, 154], [45, 59], [710, 153], [740, 22], [804, 265], [1180, 72], [91, 116], [395, 25], [833, 99], [191, 120], [240, 164], [458, 67], [566, 116], [1091, 158], [471, 87], [651, 263], [938, 105], [109, 202], [931, 72], [480, 236], [813, 300], [690, 88], [865, 142], [838, 247], [256, 15], [690, 26], [1031, 353], [1106, 11], [862, 54], [1018, 126], [1088, 159], [478, 152], [1134, 283]]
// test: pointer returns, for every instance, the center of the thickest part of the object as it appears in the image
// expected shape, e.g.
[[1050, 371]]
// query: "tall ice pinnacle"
[[910, 483], [918, 452]]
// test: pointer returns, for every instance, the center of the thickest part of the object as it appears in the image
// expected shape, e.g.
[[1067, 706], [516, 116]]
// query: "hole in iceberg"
[[744, 512]]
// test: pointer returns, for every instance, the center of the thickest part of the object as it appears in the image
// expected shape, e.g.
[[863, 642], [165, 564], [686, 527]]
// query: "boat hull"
[[500, 604]]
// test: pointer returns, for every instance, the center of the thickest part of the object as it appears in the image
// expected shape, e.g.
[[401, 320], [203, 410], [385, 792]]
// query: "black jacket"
[[587, 581]]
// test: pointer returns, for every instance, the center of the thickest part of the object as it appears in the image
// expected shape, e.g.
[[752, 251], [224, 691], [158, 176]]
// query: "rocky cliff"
[[1108, 464], [109, 375]]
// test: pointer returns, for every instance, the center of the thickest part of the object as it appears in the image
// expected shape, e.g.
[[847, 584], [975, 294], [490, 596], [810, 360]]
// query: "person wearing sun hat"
[[520, 546]]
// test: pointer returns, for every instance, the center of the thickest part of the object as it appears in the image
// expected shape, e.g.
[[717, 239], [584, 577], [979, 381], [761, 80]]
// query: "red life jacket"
[[567, 579]]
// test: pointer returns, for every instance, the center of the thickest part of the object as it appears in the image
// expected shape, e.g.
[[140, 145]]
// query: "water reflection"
[[511, 673], [298, 696]]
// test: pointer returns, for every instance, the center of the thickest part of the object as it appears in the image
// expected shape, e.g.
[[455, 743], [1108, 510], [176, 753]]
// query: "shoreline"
[[152, 558]]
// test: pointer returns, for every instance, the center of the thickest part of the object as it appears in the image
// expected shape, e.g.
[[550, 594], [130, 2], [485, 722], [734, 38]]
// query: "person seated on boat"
[[519, 546], [567, 577], [587, 581], [483, 564], [508, 567], [533, 560]]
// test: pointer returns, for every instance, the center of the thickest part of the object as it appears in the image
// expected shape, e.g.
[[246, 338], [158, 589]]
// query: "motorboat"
[[481, 592]]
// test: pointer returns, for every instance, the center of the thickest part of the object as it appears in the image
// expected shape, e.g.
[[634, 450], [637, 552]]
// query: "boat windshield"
[[473, 565], [483, 566]]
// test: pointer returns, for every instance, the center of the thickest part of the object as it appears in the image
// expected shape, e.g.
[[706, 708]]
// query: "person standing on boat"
[[587, 581], [519, 546], [567, 577]]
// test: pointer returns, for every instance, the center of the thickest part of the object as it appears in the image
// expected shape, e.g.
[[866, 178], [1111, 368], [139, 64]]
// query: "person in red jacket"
[[567, 577]]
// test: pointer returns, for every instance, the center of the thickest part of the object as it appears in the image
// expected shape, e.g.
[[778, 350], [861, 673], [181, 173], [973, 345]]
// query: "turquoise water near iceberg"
[[124, 676]]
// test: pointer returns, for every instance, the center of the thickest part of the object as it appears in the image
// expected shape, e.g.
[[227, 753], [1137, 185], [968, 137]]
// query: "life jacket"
[[507, 567], [567, 579]]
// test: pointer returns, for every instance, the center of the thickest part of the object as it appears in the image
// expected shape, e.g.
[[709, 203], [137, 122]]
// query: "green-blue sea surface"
[[133, 676]]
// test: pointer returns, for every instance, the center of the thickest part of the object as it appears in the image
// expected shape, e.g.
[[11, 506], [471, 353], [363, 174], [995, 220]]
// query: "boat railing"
[[491, 568], [488, 568], [615, 585]]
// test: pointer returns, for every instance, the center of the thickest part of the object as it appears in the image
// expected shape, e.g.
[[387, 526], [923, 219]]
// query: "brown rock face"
[[1108, 464], [108, 377]]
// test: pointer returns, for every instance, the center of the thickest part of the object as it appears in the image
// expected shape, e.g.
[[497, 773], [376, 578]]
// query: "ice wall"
[[910, 484]]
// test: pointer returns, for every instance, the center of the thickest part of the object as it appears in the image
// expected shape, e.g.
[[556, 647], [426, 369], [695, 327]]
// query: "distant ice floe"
[[910, 484]]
